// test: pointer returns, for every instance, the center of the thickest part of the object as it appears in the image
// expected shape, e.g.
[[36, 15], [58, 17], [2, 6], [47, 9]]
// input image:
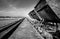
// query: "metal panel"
[[51, 13], [40, 5], [54, 6], [44, 15], [48, 14], [33, 15]]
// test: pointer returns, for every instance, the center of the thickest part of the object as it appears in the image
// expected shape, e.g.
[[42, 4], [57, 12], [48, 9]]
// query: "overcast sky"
[[16, 7]]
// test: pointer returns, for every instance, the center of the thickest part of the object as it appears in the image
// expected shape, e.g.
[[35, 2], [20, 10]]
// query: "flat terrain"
[[5, 21]]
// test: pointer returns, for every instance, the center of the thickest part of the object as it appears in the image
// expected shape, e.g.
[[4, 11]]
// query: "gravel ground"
[[25, 31], [7, 21]]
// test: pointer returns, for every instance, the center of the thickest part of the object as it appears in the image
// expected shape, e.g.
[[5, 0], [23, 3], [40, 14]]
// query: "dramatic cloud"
[[16, 7], [22, 3]]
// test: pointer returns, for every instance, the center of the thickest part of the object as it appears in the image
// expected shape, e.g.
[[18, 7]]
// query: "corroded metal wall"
[[48, 13]]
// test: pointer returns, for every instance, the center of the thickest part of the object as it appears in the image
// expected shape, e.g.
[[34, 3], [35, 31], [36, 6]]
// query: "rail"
[[6, 32]]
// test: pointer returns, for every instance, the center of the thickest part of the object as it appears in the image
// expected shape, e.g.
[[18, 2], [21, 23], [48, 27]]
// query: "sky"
[[16, 7]]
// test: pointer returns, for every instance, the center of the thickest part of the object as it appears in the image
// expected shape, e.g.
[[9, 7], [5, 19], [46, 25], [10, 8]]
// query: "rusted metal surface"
[[48, 14], [33, 15], [55, 6]]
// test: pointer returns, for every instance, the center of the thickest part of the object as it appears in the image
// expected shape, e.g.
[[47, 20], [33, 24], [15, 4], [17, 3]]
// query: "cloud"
[[16, 7], [22, 3]]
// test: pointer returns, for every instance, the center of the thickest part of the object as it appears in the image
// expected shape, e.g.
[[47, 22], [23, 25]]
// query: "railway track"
[[6, 32]]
